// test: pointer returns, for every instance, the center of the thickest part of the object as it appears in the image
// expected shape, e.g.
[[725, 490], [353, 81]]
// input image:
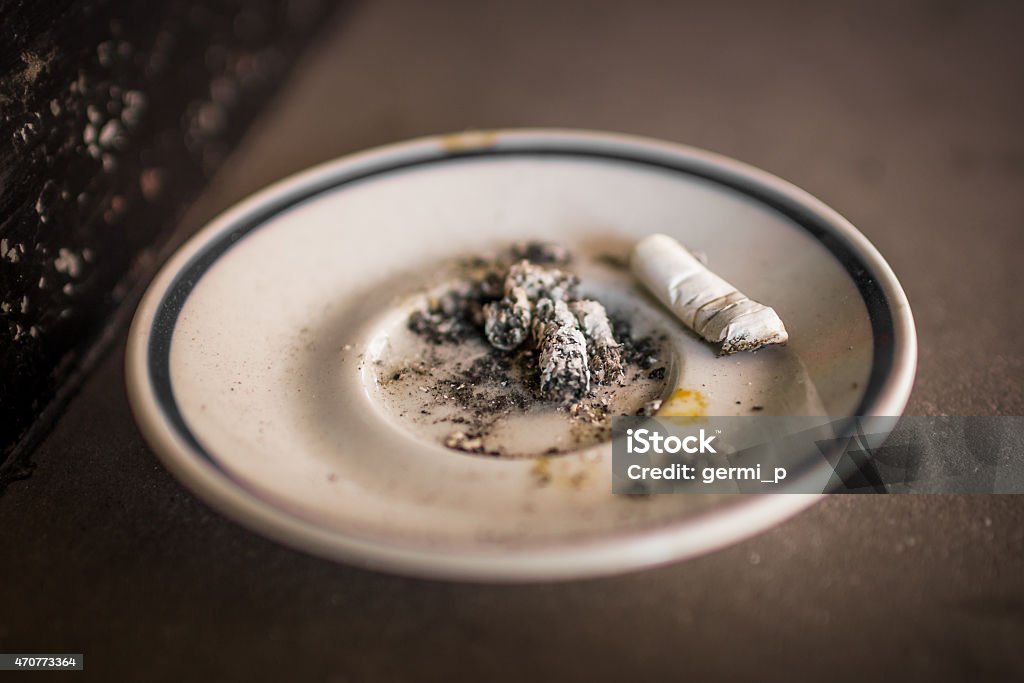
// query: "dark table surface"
[[905, 118]]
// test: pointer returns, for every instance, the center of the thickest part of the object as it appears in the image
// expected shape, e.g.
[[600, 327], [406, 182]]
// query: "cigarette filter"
[[703, 301]]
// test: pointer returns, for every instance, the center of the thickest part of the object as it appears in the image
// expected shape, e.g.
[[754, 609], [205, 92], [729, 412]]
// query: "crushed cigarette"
[[539, 282], [507, 321], [703, 301], [604, 351], [509, 337], [562, 349], [528, 302], [572, 336]]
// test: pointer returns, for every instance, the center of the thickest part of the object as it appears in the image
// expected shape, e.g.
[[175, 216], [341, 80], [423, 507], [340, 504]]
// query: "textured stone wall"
[[112, 116]]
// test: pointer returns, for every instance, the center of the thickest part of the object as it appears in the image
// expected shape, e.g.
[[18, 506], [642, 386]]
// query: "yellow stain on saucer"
[[684, 403], [468, 140], [566, 472]]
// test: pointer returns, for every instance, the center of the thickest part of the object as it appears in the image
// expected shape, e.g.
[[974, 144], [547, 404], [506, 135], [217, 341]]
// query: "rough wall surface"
[[112, 116]]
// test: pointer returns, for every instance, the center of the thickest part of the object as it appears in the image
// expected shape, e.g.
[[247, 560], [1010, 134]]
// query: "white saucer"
[[251, 358]]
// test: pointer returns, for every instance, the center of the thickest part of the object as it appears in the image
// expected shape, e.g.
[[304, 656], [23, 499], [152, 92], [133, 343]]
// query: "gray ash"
[[490, 388], [541, 253], [538, 282], [507, 322], [644, 352], [657, 373], [457, 315], [531, 307], [604, 351], [452, 317], [561, 352], [540, 346], [494, 370]]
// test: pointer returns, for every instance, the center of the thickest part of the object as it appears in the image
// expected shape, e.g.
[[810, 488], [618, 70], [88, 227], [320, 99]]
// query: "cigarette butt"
[[604, 352], [539, 282], [703, 301], [507, 321], [562, 352]]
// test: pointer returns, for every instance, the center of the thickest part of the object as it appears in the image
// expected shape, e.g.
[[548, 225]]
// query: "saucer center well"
[[466, 396]]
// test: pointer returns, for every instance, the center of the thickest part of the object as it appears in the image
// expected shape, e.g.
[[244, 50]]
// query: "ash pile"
[[527, 299]]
